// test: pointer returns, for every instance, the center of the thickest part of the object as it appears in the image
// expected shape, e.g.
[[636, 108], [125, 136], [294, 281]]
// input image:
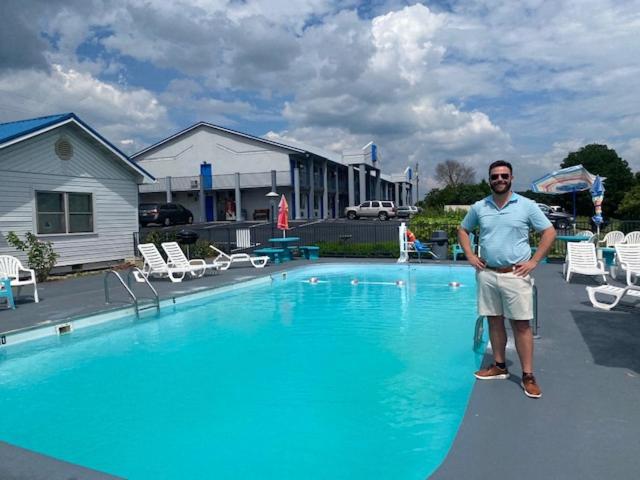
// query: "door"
[[208, 207]]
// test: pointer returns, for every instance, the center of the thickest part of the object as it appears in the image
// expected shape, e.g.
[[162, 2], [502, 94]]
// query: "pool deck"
[[587, 424]]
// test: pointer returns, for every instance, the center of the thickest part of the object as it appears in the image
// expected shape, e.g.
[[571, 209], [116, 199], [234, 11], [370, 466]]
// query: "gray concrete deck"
[[587, 423], [587, 363]]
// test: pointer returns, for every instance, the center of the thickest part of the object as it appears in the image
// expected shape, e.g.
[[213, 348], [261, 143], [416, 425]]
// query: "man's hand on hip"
[[477, 262], [524, 269]]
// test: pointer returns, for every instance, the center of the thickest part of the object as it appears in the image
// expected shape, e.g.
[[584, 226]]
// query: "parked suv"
[[163, 213], [559, 218], [406, 211], [382, 209]]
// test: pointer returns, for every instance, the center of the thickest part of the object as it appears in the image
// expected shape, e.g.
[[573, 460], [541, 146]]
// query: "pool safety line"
[[397, 283]]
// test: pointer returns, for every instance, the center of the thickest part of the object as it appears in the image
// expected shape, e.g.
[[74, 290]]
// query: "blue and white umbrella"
[[566, 180], [597, 195]]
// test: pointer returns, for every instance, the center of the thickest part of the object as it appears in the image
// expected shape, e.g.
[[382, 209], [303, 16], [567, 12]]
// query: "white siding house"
[[64, 182]]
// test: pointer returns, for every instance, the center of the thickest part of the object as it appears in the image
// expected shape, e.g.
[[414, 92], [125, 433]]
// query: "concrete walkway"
[[586, 426]]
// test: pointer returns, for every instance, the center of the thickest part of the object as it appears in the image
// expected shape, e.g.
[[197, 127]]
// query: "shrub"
[[345, 249], [40, 255]]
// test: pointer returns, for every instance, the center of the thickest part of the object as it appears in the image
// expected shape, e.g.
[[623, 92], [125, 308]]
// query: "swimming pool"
[[288, 379]]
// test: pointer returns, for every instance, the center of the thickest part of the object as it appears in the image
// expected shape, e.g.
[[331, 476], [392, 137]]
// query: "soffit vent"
[[64, 149]]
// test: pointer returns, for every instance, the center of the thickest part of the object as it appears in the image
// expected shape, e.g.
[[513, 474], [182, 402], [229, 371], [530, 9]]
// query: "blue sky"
[[474, 81]]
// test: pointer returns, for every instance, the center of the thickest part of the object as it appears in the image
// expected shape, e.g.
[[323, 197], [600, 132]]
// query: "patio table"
[[608, 254], [572, 238], [286, 243]]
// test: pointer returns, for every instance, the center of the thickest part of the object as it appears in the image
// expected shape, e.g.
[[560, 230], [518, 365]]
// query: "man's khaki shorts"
[[504, 294]]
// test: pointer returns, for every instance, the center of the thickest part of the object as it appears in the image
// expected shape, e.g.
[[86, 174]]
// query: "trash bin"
[[440, 244], [187, 237]]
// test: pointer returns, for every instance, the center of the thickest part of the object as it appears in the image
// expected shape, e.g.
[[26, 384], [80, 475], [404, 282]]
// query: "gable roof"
[[294, 148], [14, 132]]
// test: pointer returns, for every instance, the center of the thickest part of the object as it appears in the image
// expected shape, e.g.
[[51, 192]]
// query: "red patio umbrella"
[[283, 215]]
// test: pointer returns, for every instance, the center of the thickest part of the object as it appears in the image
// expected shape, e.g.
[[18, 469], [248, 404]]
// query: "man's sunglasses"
[[503, 176]]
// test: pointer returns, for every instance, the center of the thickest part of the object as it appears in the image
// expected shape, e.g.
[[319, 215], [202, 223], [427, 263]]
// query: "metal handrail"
[[131, 272], [106, 289], [127, 287]]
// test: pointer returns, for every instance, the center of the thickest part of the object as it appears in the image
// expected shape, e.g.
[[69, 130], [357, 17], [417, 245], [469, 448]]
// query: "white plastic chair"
[[618, 293], [611, 238], [226, 260], [585, 233], [582, 259], [155, 265], [177, 258], [12, 269], [628, 259], [632, 237]]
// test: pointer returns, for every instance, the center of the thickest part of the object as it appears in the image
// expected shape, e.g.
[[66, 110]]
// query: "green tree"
[[630, 206], [604, 161], [457, 195]]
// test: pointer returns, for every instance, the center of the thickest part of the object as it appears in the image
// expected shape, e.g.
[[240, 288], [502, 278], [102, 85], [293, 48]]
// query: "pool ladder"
[[479, 330], [127, 287]]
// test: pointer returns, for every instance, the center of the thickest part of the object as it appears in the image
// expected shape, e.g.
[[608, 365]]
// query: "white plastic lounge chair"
[[226, 260], [154, 265], [632, 237], [618, 293], [13, 269], [177, 258], [628, 256], [581, 258], [611, 238]]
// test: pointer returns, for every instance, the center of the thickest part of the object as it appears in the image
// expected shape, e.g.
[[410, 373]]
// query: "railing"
[[127, 288], [362, 232], [218, 182]]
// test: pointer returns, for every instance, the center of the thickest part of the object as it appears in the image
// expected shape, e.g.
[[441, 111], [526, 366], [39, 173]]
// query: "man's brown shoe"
[[493, 372], [530, 387]]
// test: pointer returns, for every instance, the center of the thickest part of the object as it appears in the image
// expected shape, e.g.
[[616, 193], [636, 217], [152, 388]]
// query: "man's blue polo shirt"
[[504, 232]]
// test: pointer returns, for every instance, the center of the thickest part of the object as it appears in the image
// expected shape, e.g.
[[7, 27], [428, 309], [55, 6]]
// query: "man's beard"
[[501, 187]]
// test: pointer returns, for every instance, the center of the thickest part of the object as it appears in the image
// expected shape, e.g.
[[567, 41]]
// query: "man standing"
[[504, 286]]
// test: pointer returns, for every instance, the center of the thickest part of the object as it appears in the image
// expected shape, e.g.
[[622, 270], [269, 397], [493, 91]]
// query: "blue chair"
[[5, 291], [457, 248], [421, 249]]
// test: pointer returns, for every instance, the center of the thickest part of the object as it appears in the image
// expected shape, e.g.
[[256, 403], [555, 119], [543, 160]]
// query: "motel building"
[[224, 175]]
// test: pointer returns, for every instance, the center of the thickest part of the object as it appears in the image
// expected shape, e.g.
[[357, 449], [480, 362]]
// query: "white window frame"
[[65, 197]]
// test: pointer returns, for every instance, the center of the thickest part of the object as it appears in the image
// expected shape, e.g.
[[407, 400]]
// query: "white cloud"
[[526, 81], [117, 114]]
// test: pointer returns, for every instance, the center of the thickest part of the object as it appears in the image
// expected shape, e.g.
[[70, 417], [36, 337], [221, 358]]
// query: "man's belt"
[[507, 269]]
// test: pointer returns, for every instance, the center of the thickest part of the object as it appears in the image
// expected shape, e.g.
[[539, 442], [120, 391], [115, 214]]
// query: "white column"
[[167, 187], [296, 189], [325, 190], [201, 200], [363, 182], [336, 195], [238, 200], [396, 192], [351, 185], [312, 191]]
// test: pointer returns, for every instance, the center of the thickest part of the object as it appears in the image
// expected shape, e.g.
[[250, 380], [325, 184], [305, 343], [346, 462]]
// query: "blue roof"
[[12, 130]]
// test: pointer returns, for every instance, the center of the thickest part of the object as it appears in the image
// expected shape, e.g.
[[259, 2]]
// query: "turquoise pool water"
[[288, 379]]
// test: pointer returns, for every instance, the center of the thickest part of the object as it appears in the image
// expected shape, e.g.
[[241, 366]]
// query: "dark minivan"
[[163, 213]]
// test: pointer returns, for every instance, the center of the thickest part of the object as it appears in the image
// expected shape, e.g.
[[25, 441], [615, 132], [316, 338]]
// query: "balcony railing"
[[218, 182]]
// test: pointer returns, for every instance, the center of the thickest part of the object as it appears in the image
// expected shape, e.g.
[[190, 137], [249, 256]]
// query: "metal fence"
[[224, 235]]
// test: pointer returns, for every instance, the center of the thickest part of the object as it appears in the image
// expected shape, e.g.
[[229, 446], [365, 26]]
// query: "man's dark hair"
[[501, 163]]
